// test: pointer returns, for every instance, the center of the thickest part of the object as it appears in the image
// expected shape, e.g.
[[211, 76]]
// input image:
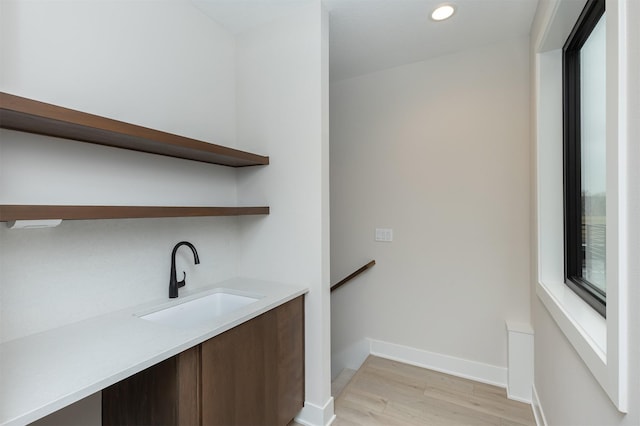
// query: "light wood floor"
[[389, 393]]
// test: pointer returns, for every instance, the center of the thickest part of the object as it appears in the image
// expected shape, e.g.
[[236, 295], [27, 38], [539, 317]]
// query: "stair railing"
[[352, 276]]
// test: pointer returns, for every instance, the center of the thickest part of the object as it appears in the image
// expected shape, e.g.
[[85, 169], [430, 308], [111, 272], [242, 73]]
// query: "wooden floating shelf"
[[39, 212], [27, 115]]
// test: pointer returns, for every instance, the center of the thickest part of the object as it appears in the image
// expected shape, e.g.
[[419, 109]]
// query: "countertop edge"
[[276, 294]]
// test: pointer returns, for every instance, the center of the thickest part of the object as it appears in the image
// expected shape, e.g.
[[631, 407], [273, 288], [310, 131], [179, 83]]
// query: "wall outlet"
[[384, 234]]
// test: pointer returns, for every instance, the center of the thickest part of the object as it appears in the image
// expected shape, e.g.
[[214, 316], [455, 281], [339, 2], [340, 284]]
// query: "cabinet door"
[[254, 374], [164, 394], [239, 377], [290, 322]]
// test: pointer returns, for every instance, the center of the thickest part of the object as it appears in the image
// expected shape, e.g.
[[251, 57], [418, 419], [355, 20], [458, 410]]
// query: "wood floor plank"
[[385, 392], [484, 403], [505, 422], [433, 378], [341, 421], [370, 402], [435, 412], [389, 388], [358, 415], [483, 388], [338, 385]]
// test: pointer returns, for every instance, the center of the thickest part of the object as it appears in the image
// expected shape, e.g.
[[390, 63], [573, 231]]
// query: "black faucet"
[[174, 284]]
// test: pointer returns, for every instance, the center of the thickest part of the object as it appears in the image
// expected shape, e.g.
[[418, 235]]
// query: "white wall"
[[161, 64], [175, 73], [567, 390], [165, 65], [282, 109], [438, 151]]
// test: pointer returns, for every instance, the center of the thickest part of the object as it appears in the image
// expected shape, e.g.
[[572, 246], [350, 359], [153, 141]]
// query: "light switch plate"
[[384, 235]]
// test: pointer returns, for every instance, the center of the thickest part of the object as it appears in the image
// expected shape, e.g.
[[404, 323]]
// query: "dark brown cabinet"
[[252, 374], [165, 394]]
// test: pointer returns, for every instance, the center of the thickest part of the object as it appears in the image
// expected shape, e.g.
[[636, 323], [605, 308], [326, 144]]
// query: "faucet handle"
[[182, 283]]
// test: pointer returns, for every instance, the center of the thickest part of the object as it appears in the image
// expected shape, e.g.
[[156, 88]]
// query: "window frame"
[[589, 18], [602, 344]]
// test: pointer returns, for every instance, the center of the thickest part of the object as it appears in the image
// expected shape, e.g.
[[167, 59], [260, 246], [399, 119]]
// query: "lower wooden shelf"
[[39, 212]]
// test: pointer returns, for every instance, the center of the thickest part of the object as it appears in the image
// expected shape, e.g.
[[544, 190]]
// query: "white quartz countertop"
[[41, 373]]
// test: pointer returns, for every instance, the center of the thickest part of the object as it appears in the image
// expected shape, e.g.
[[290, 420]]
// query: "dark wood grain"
[[189, 387], [146, 398], [252, 374], [27, 115], [352, 275], [36, 212], [166, 394], [290, 352], [239, 382]]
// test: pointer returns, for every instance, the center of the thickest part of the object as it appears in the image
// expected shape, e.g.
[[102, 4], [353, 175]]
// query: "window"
[[584, 94], [602, 344]]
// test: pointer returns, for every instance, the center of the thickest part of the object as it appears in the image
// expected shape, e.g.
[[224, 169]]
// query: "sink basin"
[[198, 312]]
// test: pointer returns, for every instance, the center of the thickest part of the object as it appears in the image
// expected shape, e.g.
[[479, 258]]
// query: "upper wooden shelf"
[[27, 115], [38, 212]]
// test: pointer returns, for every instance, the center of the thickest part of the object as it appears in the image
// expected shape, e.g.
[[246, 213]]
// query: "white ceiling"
[[241, 15], [371, 35]]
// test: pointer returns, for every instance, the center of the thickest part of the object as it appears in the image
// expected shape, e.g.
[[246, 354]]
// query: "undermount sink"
[[198, 312]]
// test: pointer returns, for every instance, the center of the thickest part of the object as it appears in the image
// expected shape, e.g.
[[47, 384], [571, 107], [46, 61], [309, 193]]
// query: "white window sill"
[[583, 326]]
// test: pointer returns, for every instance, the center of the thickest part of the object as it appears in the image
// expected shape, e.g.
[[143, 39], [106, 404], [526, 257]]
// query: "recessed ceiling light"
[[443, 12]]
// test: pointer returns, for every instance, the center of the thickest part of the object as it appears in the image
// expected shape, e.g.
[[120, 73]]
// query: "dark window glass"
[[584, 87]]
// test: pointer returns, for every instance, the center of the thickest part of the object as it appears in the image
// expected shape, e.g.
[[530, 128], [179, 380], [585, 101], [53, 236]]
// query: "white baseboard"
[[351, 357], [519, 361], [315, 415], [464, 368], [538, 413], [517, 398]]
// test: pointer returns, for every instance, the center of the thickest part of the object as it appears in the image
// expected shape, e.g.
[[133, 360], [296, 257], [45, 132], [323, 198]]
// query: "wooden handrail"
[[352, 276]]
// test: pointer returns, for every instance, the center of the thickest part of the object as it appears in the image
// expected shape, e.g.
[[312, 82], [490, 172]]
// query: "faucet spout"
[[174, 284]]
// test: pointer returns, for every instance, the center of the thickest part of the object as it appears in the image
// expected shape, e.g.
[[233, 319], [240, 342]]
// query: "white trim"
[[579, 322], [315, 415], [354, 356], [617, 234], [601, 344], [519, 361], [351, 357], [464, 368], [538, 412], [519, 327], [518, 398], [557, 23]]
